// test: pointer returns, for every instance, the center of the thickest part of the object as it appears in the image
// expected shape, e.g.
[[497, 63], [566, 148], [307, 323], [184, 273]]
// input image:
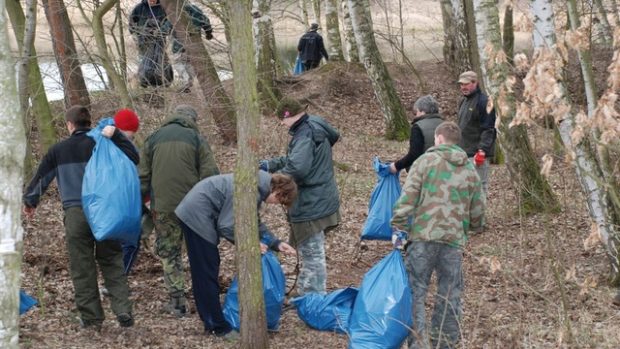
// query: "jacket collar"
[[297, 123]]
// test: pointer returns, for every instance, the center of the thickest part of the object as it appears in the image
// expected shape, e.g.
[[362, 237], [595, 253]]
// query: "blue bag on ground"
[[25, 302], [273, 290], [329, 312], [111, 191], [299, 67], [382, 199], [381, 315]]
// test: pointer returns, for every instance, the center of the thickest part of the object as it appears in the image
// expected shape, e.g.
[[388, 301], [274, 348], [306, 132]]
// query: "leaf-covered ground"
[[531, 281]]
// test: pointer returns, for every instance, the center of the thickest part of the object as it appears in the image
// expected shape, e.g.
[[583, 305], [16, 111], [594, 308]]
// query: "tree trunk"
[[472, 37], [216, 98], [303, 5], [266, 57], [606, 30], [396, 124], [66, 54], [334, 42], [251, 301], [349, 35], [534, 191], [509, 35], [40, 106], [11, 172], [106, 60], [614, 12], [316, 11], [456, 49]]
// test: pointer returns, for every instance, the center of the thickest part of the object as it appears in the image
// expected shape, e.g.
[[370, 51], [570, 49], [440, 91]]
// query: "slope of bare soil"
[[529, 280]]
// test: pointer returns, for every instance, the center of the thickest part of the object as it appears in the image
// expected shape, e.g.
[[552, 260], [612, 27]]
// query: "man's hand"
[[108, 131], [263, 165], [393, 169], [263, 248], [479, 157], [399, 238], [209, 35], [286, 248], [28, 211]]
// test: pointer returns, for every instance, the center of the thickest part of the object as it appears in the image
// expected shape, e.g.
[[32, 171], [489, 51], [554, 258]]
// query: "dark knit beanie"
[[289, 107]]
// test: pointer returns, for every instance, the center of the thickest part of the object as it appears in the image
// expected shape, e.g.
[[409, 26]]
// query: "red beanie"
[[127, 120]]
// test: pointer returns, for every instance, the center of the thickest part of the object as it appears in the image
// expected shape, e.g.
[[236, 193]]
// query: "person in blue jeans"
[[206, 215]]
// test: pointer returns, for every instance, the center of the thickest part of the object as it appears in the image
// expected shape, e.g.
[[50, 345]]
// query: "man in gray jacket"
[[309, 162]]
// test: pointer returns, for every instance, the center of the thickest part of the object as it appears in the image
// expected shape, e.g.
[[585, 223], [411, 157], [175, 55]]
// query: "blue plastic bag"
[[329, 312], [273, 290], [382, 199], [111, 191], [299, 67], [25, 302], [381, 315]]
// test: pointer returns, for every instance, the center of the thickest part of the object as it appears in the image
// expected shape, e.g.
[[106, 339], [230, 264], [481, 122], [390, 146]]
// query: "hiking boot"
[[177, 306], [125, 319], [91, 324], [231, 336], [616, 300]]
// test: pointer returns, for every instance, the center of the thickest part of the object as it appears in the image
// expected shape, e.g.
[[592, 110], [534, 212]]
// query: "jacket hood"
[[325, 130], [450, 152], [181, 119]]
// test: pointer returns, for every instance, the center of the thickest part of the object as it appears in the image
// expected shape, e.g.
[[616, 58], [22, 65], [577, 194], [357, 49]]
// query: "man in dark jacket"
[[206, 215], [309, 162], [67, 161], [175, 158], [477, 125], [311, 48], [422, 135]]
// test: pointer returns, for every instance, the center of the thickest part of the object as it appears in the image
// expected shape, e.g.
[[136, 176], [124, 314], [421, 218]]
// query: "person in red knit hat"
[[127, 121]]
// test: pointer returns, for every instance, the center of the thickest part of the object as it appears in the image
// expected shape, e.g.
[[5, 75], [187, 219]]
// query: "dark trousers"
[[204, 262], [84, 255], [311, 64], [130, 254]]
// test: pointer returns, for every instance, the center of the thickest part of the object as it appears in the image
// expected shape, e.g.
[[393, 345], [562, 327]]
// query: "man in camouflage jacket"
[[441, 200]]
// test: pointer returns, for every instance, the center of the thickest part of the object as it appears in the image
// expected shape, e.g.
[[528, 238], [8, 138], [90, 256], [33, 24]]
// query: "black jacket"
[[420, 140], [145, 19], [311, 47], [66, 161], [477, 126]]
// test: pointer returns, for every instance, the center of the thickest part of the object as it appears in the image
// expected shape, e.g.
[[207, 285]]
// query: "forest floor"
[[530, 281]]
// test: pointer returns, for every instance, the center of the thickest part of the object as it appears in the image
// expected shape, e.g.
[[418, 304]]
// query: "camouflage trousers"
[[313, 272], [422, 259], [168, 247]]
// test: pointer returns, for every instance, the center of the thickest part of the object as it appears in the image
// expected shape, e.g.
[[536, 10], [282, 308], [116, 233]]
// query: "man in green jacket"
[[309, 162], [175, 157], [441, 201]]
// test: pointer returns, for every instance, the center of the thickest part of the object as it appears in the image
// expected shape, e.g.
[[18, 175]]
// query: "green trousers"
[[84, 255]]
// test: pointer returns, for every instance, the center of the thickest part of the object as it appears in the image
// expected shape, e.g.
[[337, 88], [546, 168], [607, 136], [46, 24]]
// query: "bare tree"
[[456, 47], [396, 123], [66, 54], [267, 60], [11, 170], [316, 10], [334, 42], [349, 35], [251, 301]]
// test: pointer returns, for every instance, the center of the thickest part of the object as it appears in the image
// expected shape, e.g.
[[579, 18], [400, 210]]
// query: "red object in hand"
[[479, 158]]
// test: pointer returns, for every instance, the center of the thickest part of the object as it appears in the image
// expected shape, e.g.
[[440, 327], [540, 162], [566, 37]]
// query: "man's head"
[[289, 110], [127, 121], [77, 116], [468, 82], [187, 111], [283, 190], [447, 132], [153, 3], [425, 105], [314, 27]]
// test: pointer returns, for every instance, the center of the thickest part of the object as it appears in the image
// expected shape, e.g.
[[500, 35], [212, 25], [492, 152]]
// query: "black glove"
[[209, 35]]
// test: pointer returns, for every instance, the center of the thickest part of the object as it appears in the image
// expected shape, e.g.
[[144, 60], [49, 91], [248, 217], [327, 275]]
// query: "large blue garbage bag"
[[273, 290], [111, 191], [25, 302], [381, 317], [382, 199], [329, 312], [299, 67]]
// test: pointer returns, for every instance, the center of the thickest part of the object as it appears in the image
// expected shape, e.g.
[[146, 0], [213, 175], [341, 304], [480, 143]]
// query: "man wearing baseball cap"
[[311, 48], [477, 125]]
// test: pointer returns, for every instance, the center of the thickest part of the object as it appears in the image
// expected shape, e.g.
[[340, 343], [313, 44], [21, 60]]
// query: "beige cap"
[[468, 77]]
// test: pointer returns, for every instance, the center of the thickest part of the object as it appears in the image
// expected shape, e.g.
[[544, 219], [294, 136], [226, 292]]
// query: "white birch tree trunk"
[[534, 191], [316, 11], [397, 126], [349, 35], [456, 47], [303, 6], [334, 42], [12, 153]]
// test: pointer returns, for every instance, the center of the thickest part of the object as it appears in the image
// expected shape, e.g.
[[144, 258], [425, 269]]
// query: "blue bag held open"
[[329, 312], [25, 302], [381, 317], [273, 290], [111, 191], [382, 199]]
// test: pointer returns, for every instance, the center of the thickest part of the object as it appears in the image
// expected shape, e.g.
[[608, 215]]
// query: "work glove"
[[209, 35], [263, 165], [479, 158], [399, 238]]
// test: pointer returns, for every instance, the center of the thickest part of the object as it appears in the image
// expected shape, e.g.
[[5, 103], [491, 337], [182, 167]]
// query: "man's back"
[[311, 47]]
